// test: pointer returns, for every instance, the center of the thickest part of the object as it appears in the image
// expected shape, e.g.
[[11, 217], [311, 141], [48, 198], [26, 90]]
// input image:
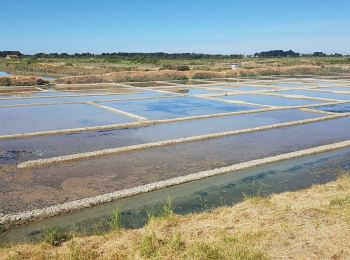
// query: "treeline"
[[321, 54], [277, 53], [139, 55], [290, 53]]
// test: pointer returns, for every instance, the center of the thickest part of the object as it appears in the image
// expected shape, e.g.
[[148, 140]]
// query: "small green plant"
[[2, 228], [257, 196], [166, 213], [55, 236], [176, 242], [340, 202], [4, 245], [148, 246], [182, 68], [241, 248], [168, 208], [115, 222], [205, 251], [167, 67], [98, 229]]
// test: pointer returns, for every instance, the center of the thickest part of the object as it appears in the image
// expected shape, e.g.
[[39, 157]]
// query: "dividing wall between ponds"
[[168, 142], [42, 147], [17, 218]]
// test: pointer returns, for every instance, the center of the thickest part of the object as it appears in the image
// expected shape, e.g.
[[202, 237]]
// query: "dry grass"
[[59, 67], [126, 76], [83, 70], [200, 68], [308, 224]]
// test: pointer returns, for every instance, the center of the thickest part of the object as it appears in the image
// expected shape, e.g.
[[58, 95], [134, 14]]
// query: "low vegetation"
[[307, 224], [202, 74], [56, 236], [22, 81], [88, 68], [115, 222]]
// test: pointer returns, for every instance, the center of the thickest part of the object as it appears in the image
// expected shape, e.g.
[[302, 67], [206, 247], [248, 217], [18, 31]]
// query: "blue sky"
[[201, 26]]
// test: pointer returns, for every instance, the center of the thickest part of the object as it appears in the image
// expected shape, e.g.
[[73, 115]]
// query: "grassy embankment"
[[22, 81], [87, 70], [308, 224]]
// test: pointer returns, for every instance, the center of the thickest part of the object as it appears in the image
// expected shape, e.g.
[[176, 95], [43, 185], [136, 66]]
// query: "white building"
[[235, 66]]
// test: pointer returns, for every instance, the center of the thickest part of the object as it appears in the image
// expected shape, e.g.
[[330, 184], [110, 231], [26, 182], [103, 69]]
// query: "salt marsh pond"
[[69, 156]]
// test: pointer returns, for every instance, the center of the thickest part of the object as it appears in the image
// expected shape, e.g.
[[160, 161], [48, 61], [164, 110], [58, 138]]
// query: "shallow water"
[[149, 84], [329, 83], [64, 182], [289, 85], [20, 120], [271, 100], [316, 94], [228, 80], [145, 94], [340, 89], [188, 82], [5, 74], [248, 89], [18, 150], [197, 196], [177, 107], [193, 91], [339, 108], [48, 78]]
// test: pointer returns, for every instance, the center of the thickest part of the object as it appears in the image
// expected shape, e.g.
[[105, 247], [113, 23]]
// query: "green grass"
[[115, 222], [176, 243], [168, 208], [166, 214], [341, 202], [148, 246], [56, 236], [205, 251]]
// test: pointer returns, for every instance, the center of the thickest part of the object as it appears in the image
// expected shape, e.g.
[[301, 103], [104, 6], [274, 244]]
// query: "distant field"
[[185, 68]]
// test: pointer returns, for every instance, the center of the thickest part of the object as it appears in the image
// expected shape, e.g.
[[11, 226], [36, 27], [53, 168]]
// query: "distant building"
[[235, 66], [12, 57]]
